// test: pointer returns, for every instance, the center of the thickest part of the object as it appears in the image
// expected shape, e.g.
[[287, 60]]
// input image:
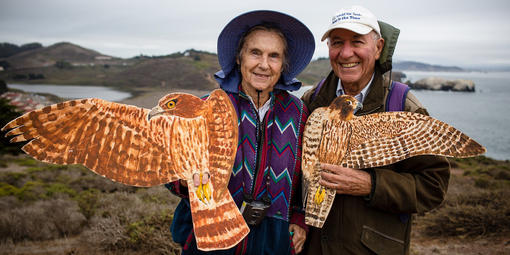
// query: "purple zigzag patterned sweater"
[[274, 153]]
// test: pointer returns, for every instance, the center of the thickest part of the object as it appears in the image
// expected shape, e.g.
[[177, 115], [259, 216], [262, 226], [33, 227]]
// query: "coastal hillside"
[[49, 56], [71, 64], [67, 63], [418, 66]]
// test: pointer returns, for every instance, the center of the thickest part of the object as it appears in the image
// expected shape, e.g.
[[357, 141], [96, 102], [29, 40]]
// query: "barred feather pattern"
[[334, 135], [401, 135], [125, 144], [219, 224]]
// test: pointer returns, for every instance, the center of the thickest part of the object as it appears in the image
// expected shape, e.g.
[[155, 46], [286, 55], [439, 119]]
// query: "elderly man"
[[371, 213]]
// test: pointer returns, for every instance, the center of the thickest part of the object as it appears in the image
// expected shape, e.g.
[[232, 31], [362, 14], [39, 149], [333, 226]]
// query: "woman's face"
[[261, 61]]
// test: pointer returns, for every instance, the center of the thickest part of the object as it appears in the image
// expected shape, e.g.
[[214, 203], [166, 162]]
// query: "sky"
[[463, 33]]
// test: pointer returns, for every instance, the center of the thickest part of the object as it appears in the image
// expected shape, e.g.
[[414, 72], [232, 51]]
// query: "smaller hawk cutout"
[[334, 135], [183, 137]]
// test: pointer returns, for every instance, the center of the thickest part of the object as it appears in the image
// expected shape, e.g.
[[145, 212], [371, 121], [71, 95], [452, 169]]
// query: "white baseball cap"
[[355, 18]]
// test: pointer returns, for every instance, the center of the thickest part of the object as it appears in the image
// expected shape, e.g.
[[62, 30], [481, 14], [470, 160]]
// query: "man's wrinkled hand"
[[345, 180]]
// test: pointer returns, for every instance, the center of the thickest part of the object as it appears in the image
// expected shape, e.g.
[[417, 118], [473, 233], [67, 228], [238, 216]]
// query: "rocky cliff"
[[436, 83]]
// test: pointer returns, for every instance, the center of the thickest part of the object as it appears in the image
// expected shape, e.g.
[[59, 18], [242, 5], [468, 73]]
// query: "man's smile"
[[349, 65]]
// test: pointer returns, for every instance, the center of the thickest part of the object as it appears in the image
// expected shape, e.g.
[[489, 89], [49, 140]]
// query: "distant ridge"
[[71, 64], [68, 63], [418, 66], [9, 49], [47, 56]]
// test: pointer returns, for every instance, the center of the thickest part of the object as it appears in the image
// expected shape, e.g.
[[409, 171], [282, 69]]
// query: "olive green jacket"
[[381, 222]]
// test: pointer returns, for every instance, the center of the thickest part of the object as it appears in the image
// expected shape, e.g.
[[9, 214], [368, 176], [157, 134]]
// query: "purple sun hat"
[[300, 47]]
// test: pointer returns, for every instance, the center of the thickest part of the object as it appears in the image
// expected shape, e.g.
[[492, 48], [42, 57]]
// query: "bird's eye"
[[171, 104], [349, 102]]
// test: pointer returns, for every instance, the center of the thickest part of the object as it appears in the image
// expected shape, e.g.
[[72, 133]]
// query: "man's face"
[[261, 61], [353, 56]]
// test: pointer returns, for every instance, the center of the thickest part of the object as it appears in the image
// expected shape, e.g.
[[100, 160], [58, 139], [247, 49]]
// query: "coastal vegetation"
[[45, 203]]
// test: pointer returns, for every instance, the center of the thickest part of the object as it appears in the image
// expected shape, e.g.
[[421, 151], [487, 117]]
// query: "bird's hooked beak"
[[358, 107], [154, 112]]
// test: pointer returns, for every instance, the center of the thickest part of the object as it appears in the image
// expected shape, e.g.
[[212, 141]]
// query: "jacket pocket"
[[381, 243]]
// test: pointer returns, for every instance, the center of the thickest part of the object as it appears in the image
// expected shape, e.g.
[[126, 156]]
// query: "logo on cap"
[[346, 16]]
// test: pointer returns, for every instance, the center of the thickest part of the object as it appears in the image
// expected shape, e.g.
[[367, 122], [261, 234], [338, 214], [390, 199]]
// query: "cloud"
[[452, 32]]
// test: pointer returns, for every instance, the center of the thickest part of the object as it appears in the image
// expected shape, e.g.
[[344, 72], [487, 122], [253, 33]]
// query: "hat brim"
[[354, 27], [300, 41]]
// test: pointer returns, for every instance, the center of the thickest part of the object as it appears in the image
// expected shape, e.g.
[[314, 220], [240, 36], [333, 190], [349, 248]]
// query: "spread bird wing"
[[385, 138], [313, 148], [113, 140], [370, 141], [217, 223], [118, 142]]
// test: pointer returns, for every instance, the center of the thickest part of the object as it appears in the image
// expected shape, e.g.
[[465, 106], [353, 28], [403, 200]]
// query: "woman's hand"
[[298, 238]]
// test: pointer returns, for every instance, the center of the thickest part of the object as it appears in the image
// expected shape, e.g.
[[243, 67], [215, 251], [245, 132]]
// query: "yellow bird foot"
[[207, 191], [319, 195], [200, 193], [203, 190]]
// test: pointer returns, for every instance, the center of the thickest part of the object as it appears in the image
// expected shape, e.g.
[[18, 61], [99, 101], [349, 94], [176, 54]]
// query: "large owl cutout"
[[334, 135], [183, 137]]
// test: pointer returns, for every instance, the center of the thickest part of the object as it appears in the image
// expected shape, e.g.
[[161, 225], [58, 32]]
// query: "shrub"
[[88, 202], [26, 161], [93, 181], [41, 220], [55, 189], [474, 214], [138, 222], [7, 189], [32, 190], [13, 178], [482, 182]]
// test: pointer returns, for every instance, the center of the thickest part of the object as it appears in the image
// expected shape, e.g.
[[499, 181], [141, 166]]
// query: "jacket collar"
[[372, 102]]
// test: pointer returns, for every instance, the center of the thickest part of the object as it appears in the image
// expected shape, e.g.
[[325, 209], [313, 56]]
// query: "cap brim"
[[354, 27]]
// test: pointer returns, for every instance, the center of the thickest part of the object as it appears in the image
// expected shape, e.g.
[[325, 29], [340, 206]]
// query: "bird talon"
[[204, 190], [319, 195]]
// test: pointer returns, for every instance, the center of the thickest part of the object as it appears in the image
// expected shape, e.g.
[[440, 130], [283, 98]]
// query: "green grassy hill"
[[66, 63]]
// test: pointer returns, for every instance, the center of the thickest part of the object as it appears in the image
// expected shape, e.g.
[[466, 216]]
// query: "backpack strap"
[[317, 89], [396, 99]]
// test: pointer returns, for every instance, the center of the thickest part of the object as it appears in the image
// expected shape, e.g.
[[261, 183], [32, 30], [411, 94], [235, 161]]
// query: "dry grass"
[[133, 222], [43, 203], [53, 209], [476, 204], [475, 217], [41, 220]]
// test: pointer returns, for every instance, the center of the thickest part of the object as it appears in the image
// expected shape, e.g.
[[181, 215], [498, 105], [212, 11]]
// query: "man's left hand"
[[346, 180], [298, 238]]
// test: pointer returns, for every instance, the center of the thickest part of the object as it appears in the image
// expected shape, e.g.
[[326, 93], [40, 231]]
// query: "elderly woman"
[[261, 53]]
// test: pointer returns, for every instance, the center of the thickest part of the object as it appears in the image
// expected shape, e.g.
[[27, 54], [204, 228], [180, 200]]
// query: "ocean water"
[[484, 115], [74, 92]]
